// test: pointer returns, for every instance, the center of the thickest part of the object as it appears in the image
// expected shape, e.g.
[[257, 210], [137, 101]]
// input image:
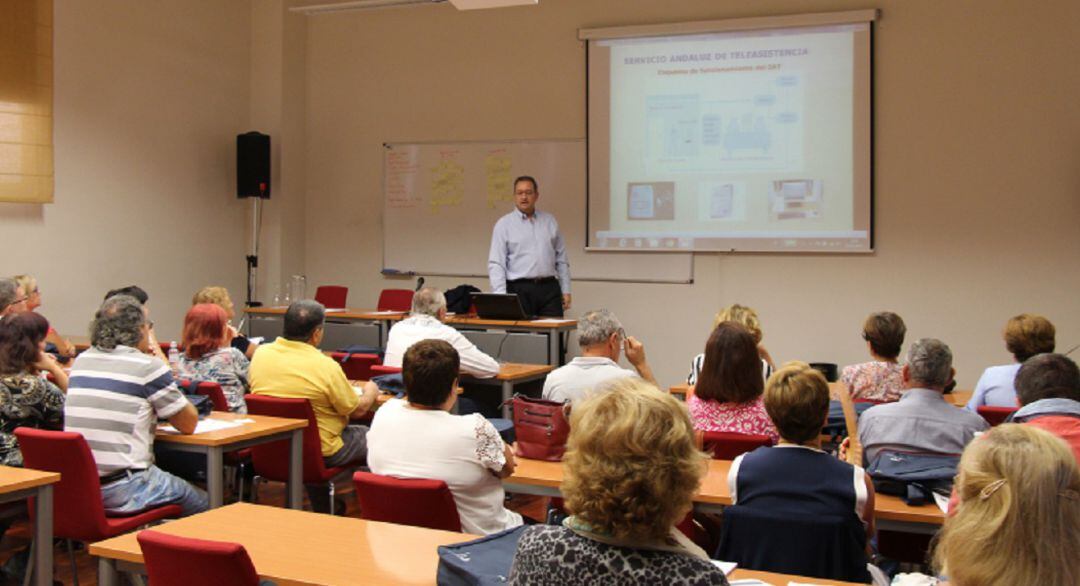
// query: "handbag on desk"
[[541, 428]]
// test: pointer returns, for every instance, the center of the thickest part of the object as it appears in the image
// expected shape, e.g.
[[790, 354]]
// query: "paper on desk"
[[748, 582], [551, 320], [333, 309], [726, 567], [942, 502], [385, 312], [208, 425]]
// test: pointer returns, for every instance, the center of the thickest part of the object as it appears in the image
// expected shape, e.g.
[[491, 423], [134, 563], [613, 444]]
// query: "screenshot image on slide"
[[751, 140]]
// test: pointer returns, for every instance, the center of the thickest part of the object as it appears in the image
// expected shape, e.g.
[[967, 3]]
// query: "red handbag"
[[540, 428]]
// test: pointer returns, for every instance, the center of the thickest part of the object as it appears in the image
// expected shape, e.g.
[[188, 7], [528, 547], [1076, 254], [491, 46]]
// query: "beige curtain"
[[26, 101]]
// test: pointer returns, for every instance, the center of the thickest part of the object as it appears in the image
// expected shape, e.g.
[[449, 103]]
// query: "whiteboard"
[[441, 201]]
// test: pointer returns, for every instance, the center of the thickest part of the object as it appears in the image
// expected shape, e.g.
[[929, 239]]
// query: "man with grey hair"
[[425, 322], [116, 393], [602, 339], [12, 299], [1048, 388], [921, 421]]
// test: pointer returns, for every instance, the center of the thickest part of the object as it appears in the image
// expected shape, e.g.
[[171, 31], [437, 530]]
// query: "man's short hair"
[[302, 319], [1047, 376], [885, 331], [596, 327], [797, 401], [428, 301], [131, 291], [430, 368], [929, 362], [1029, 334], [118, 322], [536, 186], [9, 292]]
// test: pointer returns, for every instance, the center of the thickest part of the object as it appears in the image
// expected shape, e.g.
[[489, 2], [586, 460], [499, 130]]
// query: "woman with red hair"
[[208, 355]]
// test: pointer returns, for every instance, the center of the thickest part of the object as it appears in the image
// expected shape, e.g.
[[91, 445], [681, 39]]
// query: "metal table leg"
[[43, 536], [507, 393], [215, 476], [296, 470], [107, 572]]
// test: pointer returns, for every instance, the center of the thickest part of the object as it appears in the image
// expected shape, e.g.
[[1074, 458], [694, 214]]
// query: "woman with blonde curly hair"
[[1018, 521], [631, 470], [220, 296], [747, 318]]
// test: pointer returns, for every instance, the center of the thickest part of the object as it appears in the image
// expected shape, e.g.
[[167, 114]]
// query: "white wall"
[[149, 98], [975, 149]]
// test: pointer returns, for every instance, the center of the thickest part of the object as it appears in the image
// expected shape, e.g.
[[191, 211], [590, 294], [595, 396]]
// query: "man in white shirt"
[[425, 322], [601, 338]]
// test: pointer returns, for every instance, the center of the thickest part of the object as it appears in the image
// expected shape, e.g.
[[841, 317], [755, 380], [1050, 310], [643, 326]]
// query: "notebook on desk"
[[499, 306]]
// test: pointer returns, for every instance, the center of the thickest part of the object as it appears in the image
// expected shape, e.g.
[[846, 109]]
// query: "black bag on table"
[[480, 562], [913, 476]]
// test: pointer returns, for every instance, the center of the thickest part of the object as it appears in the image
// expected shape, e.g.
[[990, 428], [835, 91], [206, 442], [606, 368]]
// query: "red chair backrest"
[[395, 300], [419, 502], [179, 561], [332, 296], [358, 366], [996, 415], [80, 514], [209, 389], [378, 369], [271, 460], [725, 445]]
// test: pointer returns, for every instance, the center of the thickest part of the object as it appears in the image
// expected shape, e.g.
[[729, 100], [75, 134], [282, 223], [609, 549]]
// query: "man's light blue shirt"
[[524, 247]]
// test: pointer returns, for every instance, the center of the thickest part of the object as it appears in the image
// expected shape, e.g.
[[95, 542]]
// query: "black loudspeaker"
[[253, 165]]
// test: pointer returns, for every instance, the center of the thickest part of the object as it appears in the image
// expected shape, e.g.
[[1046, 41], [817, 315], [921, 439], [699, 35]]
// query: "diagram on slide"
[[755, 124], [651, 201], [795, 199]]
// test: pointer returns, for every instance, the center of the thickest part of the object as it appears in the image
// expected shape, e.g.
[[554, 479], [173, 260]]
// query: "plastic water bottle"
[[174, 356]]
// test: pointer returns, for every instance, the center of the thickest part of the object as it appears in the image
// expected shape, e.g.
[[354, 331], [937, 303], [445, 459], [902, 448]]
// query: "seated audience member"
[[1048, 387], [727, 396], [601, 338], [208, 356], [921, 421], [796, 477], [1018, 521], [153, 347], [418, 437], [220, 297], [1025, 336], [747, 318], [292, 367], [12, 299], [880, 380], [27, 399], [29, 285], [116, 395], [631, 470], [425, 322]]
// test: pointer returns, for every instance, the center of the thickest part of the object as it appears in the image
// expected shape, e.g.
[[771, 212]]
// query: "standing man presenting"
[[528, 255]]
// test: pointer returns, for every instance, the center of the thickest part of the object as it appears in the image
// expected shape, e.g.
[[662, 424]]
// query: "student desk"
[[958, 398], [344, 327], [298, 547], [20, 483], [511, 374], [543, 478], [262, 430]]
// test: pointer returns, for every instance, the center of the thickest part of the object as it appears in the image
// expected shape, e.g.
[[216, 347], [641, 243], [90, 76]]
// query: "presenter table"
[[543, 478], [298, 547], [509, 375], [20, 483], [257, 429]]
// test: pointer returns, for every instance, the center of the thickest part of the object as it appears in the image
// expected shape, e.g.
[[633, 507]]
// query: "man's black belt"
[[118, 475], [534, 280]]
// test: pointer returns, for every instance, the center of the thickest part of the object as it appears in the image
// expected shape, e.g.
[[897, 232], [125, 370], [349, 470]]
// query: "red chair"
[[356, 366], [725, 445], [378, 369], [395, 300], [332, 296], [80, 513], [180, 561], [271, 460], [208, 389], [419, 502], [996, 415]]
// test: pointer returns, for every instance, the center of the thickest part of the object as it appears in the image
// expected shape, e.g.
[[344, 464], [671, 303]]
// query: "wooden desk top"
[[14, 479], [262, 426], [299, 547], [541, 324], [714, 490], [512, 371]]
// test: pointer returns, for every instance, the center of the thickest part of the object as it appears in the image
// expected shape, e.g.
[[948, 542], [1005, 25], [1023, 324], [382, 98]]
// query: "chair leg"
[[30, 565], [241, 471], [255, 480], [74, 566], [331, 485]]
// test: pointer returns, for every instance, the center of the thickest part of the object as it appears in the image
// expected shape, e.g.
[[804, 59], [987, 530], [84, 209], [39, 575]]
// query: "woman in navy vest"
[[796, 479]]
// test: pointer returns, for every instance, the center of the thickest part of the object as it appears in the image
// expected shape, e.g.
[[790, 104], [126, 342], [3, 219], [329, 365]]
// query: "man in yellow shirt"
[[293, 367]]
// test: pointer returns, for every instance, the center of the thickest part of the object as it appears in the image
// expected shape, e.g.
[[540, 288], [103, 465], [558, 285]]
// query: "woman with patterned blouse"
[[727, 396], [27, 399], [209, 356], [879, 380]]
